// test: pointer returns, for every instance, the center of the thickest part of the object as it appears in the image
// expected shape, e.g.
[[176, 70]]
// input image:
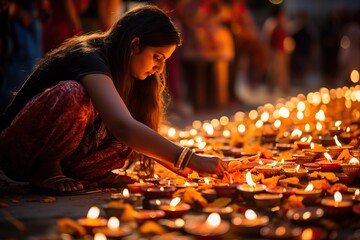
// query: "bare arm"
[[136, 135]]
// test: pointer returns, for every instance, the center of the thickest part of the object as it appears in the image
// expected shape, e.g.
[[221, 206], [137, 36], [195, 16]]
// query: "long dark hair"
[[144, 99]]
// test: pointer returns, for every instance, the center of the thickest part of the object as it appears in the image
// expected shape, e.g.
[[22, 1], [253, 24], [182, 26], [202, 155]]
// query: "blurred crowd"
[[222, 40]]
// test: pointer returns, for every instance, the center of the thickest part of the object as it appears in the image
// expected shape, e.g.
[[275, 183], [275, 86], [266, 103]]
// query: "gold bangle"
[[186, 159], [180, 160]]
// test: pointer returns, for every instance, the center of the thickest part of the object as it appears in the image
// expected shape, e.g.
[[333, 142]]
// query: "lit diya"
[[336, 206], [155, 192], [329, 165], [138, 186], [304, 143], [285, 191], [248, 190], [296, 172], [92, 220], [113, 229], [352, 168], [142, 216], [249, 223], [175, 208], [268, 170], [305, 215], [268, 200], [126, 196], [309, 194], [212, 227]]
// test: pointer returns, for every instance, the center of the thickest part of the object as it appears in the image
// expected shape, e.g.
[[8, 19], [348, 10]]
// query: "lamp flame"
[[93, 212], [309, 187], [337, 197], [337, 123], [250, 214], [249, 180], [206, 181], [100, 236], [297, 168], [312, 145], [309, 139], [328, 157], [354, 161], [213, 220], [113, 223], [357, 192], [175, 201], [126, 193], [337, 141]]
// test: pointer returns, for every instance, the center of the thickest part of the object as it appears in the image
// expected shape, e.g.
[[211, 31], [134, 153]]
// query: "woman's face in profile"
[[149, 61]]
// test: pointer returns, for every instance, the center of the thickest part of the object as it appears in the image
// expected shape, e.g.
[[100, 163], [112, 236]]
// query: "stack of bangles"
[[184, 158]]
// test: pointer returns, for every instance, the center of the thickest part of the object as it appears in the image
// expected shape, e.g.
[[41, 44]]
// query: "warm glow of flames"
[[328, 157], [265, 116], [126, 193], [206, 181], [209, 129], [113, 223], [187, 184], [307, 234], [354, 161], [337, 123], [318, 126], [175, 201], [355, 76], [337, 141], [309, 139], [213, 220], [241, 128], [348, 129], [162, 189], [296, 133], [277, 123], [357, 192], [259, 123], [337, 196], [307, 127], [201, 145], [226, 133], [250, 214], [171, 132], [297, 168], [309, 187], [284, 112], [320, 115], [261, 162], [312, 145], [249, 180], [100, 236], [156, 176], [93, 212], [282, 161]]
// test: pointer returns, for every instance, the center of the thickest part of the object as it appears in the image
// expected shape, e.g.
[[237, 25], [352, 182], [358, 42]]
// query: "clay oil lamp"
[[285, 191], [313, 233], [336, 150], [138, 186], [126, 196], [315, 150], [280, 231], [304, 143], [336, 130], [248, 190], [142, 216], [224, 212], [329, 165], [249, 223], [268, 200], [268, 170], [352, 168], [309, 194], [210, 228], [356, 196], [155, 179], [113, 229], [296, 172], [305, 215], [336, 206], [226, 189], [92, 220], [156, 192], [302, 158], [286, 163], [175, 209]]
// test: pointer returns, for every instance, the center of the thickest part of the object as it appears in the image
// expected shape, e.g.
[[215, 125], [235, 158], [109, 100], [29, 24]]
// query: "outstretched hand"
[[208, 165]]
